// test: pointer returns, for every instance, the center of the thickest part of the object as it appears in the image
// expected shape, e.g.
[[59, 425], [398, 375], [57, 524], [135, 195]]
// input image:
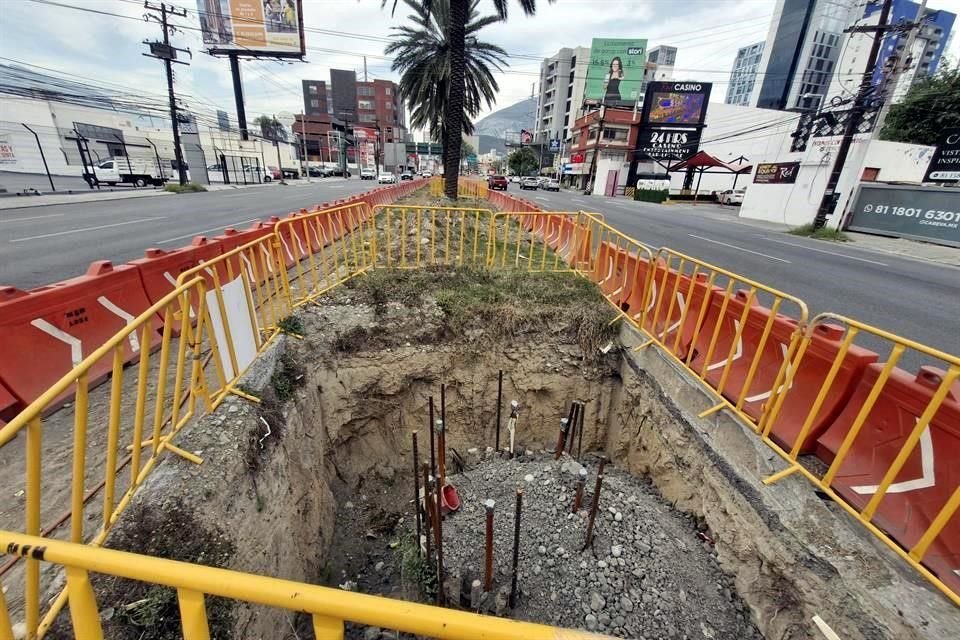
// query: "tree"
[[497, 165], [271, 129], [455, 20], [930, 106], [420, 51], [523, 161], [467, 150]]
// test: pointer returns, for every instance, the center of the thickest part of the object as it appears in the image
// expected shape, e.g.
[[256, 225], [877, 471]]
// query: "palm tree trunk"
[[459, 11]]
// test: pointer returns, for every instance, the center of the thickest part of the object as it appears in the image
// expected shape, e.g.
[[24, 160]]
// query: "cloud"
[[108, 49]]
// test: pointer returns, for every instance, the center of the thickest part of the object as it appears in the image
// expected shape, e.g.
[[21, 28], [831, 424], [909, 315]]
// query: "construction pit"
[[686, 542]]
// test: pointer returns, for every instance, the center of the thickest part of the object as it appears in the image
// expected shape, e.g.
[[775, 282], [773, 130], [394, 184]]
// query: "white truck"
[[139, 172]]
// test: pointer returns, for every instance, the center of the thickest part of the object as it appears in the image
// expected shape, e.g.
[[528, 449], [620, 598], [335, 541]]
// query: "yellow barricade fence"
[[142, 410], [538, 241], [881, 506], [413, 236], [466, 188], [328, 608]]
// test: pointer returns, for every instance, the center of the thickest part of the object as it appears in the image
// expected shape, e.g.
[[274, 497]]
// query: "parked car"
[[406, 175], [368, 174], [275, 173], [497, 182], [515, 179], [334, 171], [427, 174], [530, 183], [315, 172], [551, 184], [387, 178], [731, 196], [137, 172]]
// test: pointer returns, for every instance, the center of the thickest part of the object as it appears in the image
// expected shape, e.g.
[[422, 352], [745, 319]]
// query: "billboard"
[[777, 173], [615, 74], [252, 27], [660, 143], [945, 164], [679, 103], [931, 214]]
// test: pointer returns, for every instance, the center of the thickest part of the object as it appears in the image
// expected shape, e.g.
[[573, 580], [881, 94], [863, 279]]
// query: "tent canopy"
[[704, 162]]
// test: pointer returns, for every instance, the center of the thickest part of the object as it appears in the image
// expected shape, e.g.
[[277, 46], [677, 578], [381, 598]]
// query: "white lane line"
[[733, 246], [202, 231], [539, 198], [832, 253], [52, 215], [103, 226], [578, 201]]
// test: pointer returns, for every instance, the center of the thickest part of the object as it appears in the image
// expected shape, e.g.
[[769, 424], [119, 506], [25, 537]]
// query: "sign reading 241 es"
[[945, 164]]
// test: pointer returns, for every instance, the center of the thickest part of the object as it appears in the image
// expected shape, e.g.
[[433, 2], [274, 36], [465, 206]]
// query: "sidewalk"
[[901, 247]]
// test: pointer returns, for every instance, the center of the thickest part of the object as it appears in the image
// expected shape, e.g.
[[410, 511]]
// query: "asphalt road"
[[40, 245], [916, 299]]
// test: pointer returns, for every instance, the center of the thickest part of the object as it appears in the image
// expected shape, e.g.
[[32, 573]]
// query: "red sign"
[[577, 158]]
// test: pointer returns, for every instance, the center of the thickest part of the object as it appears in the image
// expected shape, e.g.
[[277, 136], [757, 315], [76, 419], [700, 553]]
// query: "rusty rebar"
[[595, 504], [516, 549], [561, 438], [496, 442], [583, 410], [441, 455], [578, 491], [416, 487], [438, 532], [433, 456], [488, 560], [572, 426], [427, 509]]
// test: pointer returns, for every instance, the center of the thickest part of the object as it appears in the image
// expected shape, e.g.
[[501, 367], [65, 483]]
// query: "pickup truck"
[[124, 170]]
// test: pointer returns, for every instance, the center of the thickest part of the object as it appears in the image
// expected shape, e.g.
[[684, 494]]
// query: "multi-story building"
[[315, 100], [802, 49], [562, 81], [660, 62], [379, 105], [744, 74], [921, 61]]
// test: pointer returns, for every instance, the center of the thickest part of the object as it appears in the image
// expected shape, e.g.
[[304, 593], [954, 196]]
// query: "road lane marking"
[[103, 226], [202, 231], [733, 246], [578, 201], [52, 215], [539, 198], [832, 253]]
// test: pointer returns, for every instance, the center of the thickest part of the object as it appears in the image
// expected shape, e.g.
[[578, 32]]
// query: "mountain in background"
[[513, 118]]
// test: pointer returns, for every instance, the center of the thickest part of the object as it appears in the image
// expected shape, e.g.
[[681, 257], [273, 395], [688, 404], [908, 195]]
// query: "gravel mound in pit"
[[651, 572]]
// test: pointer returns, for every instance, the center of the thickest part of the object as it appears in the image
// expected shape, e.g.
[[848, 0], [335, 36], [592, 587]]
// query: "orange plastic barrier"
[[825, 341], [930, 475], [52, 328], [159, 269], [675, 297], [10, 405]]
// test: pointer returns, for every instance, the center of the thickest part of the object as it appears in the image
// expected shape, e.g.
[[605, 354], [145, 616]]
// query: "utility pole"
[[830, 195], [592, 175], [365, 79], [901, 64], [238, 96], [168, 53]]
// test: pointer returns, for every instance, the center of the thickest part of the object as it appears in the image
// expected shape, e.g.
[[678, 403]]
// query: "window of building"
[[365, 104], [389, 105], [365, 91], [387, 91], [367, 117], [616, 135], [315, 104], [313, 89]]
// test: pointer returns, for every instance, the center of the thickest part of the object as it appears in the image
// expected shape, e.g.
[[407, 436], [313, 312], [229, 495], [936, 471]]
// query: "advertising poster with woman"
[[615, 74]]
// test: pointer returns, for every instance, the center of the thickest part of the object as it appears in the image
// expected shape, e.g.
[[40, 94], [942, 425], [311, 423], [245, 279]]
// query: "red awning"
[[703, 161]]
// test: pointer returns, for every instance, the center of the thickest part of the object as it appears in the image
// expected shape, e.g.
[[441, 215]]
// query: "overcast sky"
[[108, 49]]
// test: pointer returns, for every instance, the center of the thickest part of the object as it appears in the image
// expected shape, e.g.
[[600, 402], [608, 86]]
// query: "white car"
[[427, 174], [551, 185], [530, 183], [387, 178], [515, 179], [731, 196], [368, 174]]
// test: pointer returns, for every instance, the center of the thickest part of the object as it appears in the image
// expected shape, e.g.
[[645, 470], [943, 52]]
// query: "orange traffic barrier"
[[160, 269], [788, 414], [52, 328], [673, 307], [928, 482], [10, 405]]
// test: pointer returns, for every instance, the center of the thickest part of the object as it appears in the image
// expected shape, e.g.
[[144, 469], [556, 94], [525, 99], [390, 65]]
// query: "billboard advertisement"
[[659, 143], [252, 27], [615, 74], [677, 103], [930, 214], [776, 173], [945, 164]]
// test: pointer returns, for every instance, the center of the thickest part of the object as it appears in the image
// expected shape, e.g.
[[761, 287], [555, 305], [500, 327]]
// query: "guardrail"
[[327, 607], [466, 188]]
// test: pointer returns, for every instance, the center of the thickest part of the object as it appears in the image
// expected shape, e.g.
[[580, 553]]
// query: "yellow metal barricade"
[[412, 237], [328, 608], [865, 512], [143, 413], [538, 241]]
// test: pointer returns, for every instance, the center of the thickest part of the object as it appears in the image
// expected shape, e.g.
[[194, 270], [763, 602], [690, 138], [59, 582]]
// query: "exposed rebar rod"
[[594, 505], [496, 442], [578, 492], [427, 509], [488, 559], [441, 455], [433, 455], [512, 425], [561, 438], [583, 410], [516, 549], [438, 531], [572, 427], [416, 487]]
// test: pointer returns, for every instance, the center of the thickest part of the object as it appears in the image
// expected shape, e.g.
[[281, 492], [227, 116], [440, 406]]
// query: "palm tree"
[[420, 54], [456, 36]]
